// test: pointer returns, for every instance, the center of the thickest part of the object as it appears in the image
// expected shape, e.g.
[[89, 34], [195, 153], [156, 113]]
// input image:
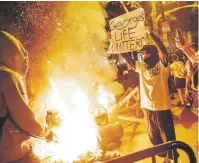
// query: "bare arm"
[[188, 52], [185, 46]]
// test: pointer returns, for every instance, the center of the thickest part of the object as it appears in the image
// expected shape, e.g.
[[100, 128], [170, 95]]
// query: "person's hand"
[[50, 136], [148, 27], [52, 119], [178, 40]]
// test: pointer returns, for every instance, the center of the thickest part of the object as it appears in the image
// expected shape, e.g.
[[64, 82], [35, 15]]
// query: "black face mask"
[[151, 61]]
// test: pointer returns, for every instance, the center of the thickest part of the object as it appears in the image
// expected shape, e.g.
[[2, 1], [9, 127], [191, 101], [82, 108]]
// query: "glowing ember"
[[77, 132]]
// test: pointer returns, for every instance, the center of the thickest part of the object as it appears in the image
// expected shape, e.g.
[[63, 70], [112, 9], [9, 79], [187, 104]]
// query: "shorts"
[[180, 82]]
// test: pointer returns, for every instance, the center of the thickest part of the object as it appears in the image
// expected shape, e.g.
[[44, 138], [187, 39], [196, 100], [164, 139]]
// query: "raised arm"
[[184, 46], [162, 52]]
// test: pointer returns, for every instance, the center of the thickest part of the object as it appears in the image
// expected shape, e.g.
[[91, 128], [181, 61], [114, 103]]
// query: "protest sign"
[[127, 32]]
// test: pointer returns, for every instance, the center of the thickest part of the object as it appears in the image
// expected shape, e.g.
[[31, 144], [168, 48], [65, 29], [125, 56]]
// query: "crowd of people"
[[179, 80]]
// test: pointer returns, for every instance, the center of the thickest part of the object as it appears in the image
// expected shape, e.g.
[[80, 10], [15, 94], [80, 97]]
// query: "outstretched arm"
[[162, 52], [184, 46]]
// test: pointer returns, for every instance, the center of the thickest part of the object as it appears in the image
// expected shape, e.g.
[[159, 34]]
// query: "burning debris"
[[78, 135]]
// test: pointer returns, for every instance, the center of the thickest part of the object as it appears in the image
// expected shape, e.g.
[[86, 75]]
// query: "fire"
[[106, 99], [77, 132], [75, 59]]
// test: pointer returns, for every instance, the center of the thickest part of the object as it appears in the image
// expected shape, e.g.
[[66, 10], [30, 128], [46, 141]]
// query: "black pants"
[[159, 123]]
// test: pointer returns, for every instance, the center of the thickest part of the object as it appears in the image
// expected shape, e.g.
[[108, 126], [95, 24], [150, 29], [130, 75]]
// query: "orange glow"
[[106, 99], [77, 132], [77, 56]]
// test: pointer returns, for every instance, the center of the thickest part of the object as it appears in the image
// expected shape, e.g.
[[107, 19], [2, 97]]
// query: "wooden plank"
[[130, 118]]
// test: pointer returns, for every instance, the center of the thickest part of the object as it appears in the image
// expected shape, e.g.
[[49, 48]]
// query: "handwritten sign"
[[127, 32]]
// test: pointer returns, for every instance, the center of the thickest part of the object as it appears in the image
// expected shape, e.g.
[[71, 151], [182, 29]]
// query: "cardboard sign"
[[127, 32]]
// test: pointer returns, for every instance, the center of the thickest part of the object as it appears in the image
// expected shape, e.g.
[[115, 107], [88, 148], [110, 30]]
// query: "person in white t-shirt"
[[154, 94]]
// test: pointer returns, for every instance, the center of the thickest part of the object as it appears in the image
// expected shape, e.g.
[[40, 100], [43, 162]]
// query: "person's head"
[[150, 55], [12, 54], [174, 58], [194, 47]]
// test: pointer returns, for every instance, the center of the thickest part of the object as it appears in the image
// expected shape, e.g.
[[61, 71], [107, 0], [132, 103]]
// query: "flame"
[[77, 133], [106, 99]]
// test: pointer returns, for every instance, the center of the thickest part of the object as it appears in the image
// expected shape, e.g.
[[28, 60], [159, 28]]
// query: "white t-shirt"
[[154, 92]]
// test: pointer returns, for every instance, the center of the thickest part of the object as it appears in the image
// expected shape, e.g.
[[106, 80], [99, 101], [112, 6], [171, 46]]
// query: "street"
[[186, 125]]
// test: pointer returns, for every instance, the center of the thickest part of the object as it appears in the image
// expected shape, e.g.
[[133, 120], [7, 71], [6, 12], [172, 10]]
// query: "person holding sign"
[[154, 95]]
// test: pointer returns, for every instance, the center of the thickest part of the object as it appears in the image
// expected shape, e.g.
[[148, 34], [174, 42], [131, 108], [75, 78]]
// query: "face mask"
[[151, 61]]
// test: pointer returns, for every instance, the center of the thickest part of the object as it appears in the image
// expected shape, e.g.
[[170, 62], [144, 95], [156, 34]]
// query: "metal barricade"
[[151, 152]]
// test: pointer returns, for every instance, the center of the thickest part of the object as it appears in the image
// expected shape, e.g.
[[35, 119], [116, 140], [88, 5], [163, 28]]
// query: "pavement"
[[136, 138]]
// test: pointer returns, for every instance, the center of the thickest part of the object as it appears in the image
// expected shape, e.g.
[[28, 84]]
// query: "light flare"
[[106, 99], [77, 132]]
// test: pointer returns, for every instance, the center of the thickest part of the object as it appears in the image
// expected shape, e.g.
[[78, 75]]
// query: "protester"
[[178, 71], [186, 48], [154, 94], [191, 52], [18, 121]]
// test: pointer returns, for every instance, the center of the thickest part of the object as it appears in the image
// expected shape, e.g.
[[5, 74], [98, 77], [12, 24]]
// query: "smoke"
[[70, 42], [85, 39], [76, 60]]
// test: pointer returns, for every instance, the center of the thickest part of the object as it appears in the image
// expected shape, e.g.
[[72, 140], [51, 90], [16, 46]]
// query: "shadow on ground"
[[186, 118]]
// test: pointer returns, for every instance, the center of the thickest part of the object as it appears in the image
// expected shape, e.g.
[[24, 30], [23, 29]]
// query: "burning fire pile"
[[76, 52], [78, 137]]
